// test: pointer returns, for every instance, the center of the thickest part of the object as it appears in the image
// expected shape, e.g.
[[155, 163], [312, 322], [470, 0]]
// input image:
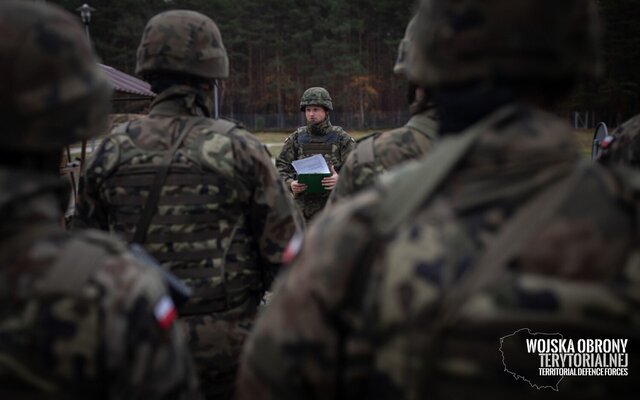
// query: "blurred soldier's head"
[[182, 47], [53, 92], [405, 49], [404, 60], [499, 50], [316, 104]]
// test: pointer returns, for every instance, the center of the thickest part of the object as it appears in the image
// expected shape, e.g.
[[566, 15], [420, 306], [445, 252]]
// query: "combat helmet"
[[183, 42], [53, 92], [525, 40], [316, 96]]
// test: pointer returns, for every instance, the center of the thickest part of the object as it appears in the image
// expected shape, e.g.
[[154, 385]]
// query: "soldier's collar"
[[321, 128], [182, 99], [424, 123]]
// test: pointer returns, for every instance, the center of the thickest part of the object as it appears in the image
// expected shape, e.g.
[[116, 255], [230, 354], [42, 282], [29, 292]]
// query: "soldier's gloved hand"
[[298, 187], [330, 181]]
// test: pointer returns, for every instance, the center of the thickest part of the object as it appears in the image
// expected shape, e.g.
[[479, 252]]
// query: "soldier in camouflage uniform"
[[201, 195], [406, 291], [80, 316], [380, 151], [317, 137]]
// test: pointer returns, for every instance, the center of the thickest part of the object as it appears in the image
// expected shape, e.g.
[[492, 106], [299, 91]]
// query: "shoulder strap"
[[78, 261], [140, 235], [421, 179], [121, 129], [364, 150], [224, 126]]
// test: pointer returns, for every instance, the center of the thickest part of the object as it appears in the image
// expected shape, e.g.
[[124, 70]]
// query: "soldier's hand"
[[298, 187], [330, 181]]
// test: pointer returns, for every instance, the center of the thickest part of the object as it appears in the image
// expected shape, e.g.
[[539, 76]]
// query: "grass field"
[[274, 140], [584, 138]]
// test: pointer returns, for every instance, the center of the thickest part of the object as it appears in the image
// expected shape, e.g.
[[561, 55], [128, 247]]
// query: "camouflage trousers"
[[311, 204], [216, 341]]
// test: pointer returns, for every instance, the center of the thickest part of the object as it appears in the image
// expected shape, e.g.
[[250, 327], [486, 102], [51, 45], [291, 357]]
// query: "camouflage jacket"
[[300, 144], [386, 149], [79, 316], [370, 284], [223, 220]]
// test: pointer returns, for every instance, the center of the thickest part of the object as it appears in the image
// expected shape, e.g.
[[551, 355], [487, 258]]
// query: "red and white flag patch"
[[165, 312], [293, 248]]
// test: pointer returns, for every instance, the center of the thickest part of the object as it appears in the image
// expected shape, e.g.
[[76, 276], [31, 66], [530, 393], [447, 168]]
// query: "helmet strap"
[[215, 113]]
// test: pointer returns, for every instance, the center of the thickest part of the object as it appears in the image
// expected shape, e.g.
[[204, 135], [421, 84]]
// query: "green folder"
[[313, 182]]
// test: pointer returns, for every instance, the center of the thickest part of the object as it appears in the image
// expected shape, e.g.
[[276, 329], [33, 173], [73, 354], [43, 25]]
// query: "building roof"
[[122, 82]]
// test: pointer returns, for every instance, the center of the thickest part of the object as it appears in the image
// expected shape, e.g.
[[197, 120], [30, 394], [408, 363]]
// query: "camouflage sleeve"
[[283, 161], [401, 145], [147, 356], [90, 210], [345, 186], [274, 216], [294, 351], [347, 144]]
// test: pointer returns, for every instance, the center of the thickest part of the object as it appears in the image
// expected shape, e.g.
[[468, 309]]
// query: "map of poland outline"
[[517, 376]]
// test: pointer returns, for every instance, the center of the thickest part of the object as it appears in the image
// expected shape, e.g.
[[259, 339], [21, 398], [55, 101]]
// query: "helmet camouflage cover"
[[464, 40], [316, 96], [185, 42], [53, 92], [405, 50]]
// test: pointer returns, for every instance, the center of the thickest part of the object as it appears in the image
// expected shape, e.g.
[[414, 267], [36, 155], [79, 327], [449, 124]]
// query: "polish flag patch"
[[165, 312], [293, 248]]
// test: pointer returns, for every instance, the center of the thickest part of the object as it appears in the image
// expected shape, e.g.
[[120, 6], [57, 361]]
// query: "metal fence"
[[349, 121], [372, 121]]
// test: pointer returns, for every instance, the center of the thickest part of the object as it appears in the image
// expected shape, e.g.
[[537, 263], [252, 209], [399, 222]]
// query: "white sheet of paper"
[[311, 165]]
